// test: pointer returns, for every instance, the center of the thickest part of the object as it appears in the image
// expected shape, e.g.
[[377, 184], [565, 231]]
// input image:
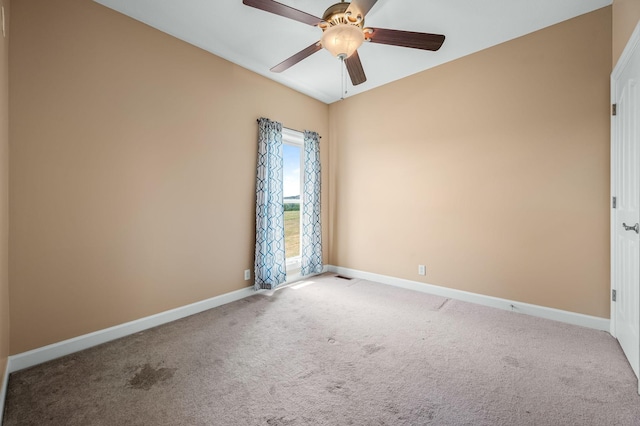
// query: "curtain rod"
[[288, 128]]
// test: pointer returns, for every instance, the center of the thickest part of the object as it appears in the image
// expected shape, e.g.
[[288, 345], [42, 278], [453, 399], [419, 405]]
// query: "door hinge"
[[614, 202], [613, 295], [614, 109]]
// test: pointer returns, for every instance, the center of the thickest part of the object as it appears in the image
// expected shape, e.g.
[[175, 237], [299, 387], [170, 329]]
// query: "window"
[[292, 146]]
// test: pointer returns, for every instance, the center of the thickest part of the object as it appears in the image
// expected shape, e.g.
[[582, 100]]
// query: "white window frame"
[[295, 138]]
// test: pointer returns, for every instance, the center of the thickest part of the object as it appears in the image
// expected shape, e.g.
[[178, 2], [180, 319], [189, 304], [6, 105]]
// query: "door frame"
[[631, 47]]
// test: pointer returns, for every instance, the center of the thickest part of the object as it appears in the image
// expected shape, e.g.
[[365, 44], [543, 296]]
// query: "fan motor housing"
[[336, 14]]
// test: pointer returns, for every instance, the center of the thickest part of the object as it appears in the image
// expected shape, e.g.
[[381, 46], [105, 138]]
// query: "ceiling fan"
[[343, 31]]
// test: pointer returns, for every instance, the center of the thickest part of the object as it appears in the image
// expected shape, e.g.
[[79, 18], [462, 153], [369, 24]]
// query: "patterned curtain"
[[311, 258], [270, 265]]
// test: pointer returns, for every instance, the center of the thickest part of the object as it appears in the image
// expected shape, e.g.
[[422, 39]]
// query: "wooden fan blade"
[[354, 67], [410, 39], [361, 7], [283, 10], [288, 63]]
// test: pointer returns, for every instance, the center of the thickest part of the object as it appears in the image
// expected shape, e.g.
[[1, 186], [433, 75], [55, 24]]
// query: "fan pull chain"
[[342, 80]]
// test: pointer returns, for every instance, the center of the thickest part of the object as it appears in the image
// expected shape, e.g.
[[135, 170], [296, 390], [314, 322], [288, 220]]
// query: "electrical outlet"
[[422, 270], [247, 274]]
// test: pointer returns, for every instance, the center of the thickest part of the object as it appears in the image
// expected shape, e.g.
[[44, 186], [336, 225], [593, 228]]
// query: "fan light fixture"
[[342, 40], [341, 30]]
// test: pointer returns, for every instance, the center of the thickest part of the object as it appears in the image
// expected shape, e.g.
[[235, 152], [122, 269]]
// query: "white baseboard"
[[494, 302], [3, 391], [47, 353], [66, 347]]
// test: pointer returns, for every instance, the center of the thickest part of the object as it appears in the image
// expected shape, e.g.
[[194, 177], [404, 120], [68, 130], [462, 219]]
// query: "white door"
[[625, 215]]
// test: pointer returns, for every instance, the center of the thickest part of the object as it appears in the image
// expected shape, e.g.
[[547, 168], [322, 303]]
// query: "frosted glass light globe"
[[342, 39]]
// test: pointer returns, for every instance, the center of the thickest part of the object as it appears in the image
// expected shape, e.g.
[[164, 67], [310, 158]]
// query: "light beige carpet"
[[338, 352]]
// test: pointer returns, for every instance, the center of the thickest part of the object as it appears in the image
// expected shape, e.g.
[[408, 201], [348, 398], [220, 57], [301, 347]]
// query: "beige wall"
[[493, 170], [133, 162], [626, 14], [4, 192]]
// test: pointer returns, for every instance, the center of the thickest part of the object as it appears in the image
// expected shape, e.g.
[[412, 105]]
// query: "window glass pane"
[[291, 182]]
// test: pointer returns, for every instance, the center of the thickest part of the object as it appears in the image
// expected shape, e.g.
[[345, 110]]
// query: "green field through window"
[[292, 233]]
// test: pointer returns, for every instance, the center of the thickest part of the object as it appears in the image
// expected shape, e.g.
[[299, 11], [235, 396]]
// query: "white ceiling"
[[258, 40]]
